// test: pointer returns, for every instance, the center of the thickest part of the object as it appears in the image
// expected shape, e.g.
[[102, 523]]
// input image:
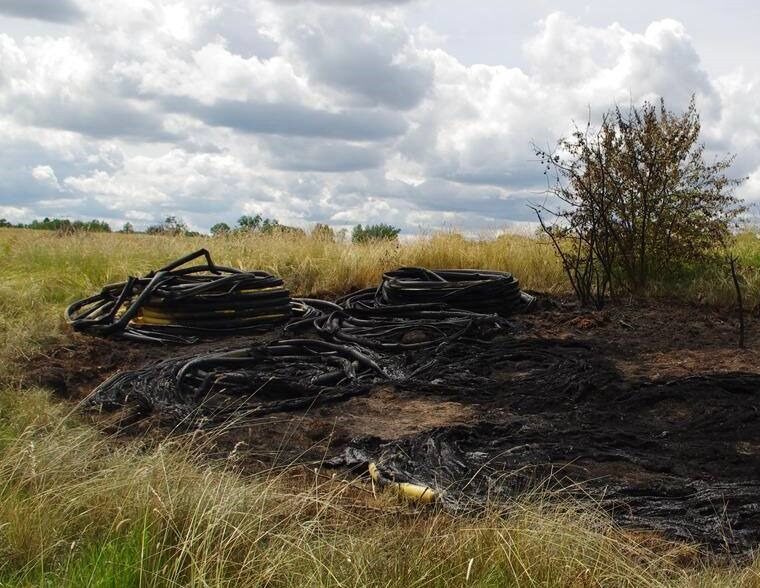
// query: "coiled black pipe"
[[408, 328], [179, 305], [415, 308], [482, 291]]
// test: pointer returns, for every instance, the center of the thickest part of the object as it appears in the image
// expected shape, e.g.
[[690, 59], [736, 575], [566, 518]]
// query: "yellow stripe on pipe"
[[270, 289], [141, 319], [151, 313]]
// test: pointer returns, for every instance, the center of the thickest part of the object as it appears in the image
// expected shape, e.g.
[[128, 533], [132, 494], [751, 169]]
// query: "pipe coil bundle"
[[482, 291], [180, 304]]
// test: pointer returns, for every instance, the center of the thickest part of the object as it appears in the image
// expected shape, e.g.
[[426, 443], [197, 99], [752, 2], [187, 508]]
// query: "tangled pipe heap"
[[374, 335]]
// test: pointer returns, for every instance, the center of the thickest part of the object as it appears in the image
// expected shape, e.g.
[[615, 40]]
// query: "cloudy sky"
[[416, 113]]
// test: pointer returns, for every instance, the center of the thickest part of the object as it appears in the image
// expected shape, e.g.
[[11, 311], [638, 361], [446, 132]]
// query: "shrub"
[[220, 229], [379, 232], [637, 199]]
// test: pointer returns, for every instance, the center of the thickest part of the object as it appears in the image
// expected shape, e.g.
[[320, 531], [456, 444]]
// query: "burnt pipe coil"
[[416, 288], [409, 329], [359, 337], [178, 304], [482, 291]]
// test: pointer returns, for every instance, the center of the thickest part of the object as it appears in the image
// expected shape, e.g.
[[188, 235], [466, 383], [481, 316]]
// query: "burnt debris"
[[679, 456]]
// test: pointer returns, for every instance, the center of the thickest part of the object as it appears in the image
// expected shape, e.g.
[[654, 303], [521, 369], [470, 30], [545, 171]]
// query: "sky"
[[418, 113]]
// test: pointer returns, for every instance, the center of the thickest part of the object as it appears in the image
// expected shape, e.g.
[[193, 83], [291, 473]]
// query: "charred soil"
[[648, 409]]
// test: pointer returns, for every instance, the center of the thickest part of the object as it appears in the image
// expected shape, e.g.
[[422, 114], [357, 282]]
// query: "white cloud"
[[331, 111], [212, 73], [359, 57], [14, 214], [45, 175]]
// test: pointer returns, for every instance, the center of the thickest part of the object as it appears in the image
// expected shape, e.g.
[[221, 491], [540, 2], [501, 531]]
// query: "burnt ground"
[[648, 409]]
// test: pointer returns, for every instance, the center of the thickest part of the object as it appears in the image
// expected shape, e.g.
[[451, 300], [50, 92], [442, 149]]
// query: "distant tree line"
[[62, 225], [175, 226], [171, 225], [323, 232]]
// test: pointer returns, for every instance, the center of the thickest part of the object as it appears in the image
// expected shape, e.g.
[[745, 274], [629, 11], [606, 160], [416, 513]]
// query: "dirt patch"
[[653, 338], [369, 415], [314, 435]]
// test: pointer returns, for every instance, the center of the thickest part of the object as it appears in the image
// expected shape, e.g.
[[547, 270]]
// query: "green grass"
[[80, 509]]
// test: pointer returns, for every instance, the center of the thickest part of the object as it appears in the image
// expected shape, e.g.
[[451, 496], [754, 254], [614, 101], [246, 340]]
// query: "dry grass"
[[79, 509]]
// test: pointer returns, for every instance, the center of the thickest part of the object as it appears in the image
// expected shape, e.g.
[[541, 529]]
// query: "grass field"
[[79, 509]]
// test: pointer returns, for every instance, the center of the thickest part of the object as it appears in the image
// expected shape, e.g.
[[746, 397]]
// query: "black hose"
[[411, 328], [414, 308], [284, 375], [179, 305], [482, 291]]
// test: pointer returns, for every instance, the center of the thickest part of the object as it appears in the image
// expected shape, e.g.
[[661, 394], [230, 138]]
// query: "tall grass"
[[77, 509]]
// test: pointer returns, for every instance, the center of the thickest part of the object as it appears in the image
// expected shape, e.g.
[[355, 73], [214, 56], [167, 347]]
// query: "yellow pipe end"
[[417, 493], [405, 490]]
